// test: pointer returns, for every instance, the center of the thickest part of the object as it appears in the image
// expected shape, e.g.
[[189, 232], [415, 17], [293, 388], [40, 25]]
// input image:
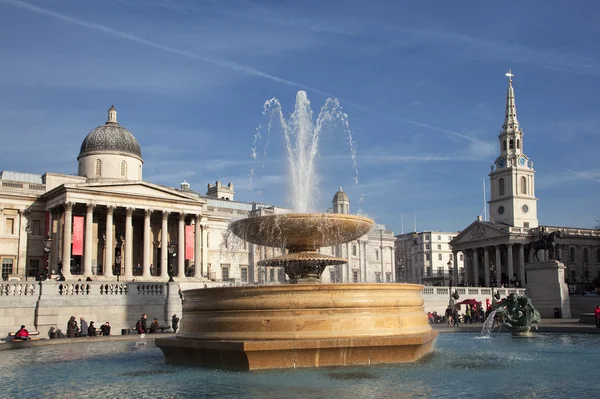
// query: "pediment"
[[138, 189], [477, 231]]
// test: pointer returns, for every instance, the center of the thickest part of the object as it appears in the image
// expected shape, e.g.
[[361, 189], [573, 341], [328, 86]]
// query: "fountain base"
[[300, 325], [277, 354]]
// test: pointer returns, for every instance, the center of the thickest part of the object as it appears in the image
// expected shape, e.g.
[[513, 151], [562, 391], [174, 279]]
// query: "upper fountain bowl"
[[301, 231]]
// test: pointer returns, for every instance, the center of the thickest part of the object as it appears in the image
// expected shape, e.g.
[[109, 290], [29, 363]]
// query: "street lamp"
[[47, 250], [172, 254], [450, 273]]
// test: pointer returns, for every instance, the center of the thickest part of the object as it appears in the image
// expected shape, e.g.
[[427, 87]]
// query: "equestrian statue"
[[546, 242]]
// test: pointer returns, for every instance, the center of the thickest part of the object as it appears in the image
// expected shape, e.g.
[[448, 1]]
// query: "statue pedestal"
[[547, 288]]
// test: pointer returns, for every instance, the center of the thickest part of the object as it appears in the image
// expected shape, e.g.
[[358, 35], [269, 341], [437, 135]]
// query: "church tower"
[[512, 182]]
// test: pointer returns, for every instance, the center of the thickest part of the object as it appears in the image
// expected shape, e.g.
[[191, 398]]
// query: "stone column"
[[455, 271], [198, 247], [486, 265], [67, 231], [87, 253], [498, 265], [109, 246], [164, 250], [522, 264], [54, 248], [181, 247], [147, 244], [509, 262], [204, 265], [475, 268], [129, 244]]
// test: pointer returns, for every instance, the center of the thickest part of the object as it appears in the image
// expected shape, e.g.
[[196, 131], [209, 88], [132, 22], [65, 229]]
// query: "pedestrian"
[[105, 329], [141, 326], [61, 277], [448, 315], [92, 330], [72, 328], [455, 318], [83, 330], [154, 326], [22, 334], [597, 314], [175, 323]]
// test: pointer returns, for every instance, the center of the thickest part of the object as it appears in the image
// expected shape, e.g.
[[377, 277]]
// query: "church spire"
[[510, 118]]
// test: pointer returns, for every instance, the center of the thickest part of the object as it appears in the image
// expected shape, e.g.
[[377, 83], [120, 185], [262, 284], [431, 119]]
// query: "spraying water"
[[301, 136], [488, 325]]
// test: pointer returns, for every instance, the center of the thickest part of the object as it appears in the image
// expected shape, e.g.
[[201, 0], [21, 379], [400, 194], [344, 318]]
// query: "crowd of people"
[[142, 325], [83, 329], [453, 317]]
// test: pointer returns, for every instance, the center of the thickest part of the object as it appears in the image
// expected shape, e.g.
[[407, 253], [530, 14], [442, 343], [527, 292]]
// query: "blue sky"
[[422, 82]]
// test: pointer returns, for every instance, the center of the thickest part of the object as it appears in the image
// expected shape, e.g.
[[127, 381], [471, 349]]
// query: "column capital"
[[182, 216], [24, 212], [68, 206], [110, 209], [148, 212], [90, 207], [165, 215], [130, 211]]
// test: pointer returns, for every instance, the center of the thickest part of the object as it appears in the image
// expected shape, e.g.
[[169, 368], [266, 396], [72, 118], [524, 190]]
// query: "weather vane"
[[510, 75]]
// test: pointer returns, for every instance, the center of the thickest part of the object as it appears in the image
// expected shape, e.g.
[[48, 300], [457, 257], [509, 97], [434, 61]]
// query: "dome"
[[111, 138], [340, 196]]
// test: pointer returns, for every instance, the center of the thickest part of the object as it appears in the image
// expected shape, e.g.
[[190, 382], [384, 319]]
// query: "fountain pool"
[[461, 365]]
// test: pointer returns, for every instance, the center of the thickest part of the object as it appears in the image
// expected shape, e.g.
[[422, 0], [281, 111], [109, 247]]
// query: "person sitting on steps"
[[22, 334]]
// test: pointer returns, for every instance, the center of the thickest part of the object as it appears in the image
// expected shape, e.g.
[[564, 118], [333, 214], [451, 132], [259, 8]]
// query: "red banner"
[[77, 235], [189, 242]]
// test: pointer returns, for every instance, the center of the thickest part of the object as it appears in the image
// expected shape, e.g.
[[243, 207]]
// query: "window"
[[34, 265], [526, 224], [36, 230], [511, 144], [354, 250], [439, 246], [429, 271], [427, 247], [272, 275], [440, 271], [7, 267], [10, 226], [123, 168], [225, 272], [523, 185], [439, 256], [140, 173], [378, 277], [244, 271], [518, 144], [388, 277], [572, 255], [501, 186], [376, 254], [504, 145], [355, 276], [585, 255], [98, 168], [439, 238], [461, 257], [427, 257], [427, 237], [450, 257]]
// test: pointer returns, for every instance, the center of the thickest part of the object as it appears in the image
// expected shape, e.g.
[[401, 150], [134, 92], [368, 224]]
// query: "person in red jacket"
[[22, 334], [597, 314]]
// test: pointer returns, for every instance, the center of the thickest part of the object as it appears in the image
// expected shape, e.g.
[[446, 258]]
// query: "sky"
[[423, 85]]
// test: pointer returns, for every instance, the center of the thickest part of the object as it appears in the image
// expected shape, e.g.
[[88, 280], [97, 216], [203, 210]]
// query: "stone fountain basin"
[[301, 230]]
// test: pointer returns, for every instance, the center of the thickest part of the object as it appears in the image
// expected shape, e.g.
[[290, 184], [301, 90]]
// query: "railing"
[[21, 185], [83, 289], [466, 292], [18, 289]]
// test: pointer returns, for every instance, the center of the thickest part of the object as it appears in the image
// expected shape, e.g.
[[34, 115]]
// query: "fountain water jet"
[[301, 325]]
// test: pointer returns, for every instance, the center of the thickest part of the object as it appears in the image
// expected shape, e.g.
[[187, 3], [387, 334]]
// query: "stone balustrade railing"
[[465, 292], [18, 289], [64, 288]]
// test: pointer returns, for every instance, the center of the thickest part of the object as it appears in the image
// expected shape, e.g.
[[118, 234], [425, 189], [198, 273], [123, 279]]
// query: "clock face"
[[500, 210], [501, 163], [525, 208], [522, 161]]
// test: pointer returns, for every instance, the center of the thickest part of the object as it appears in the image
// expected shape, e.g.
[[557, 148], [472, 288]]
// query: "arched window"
[[523, 185], [123, 168], [518, 144], [98, 168], [504, 145], [572, 255], [501, 186], [354, 250], [511, 144]]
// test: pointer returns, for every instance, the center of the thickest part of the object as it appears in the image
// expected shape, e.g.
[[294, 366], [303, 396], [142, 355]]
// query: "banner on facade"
[[189, 242], [77, 235]]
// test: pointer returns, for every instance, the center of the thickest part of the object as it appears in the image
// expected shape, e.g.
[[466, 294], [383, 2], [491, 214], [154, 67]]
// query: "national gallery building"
[[106, 224]]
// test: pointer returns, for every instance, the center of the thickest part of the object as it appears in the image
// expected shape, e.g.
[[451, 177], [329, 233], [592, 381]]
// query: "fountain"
[[517, 315], [306, 324]]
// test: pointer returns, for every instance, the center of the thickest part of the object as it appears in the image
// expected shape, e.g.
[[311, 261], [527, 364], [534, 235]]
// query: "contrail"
[[234, 66]]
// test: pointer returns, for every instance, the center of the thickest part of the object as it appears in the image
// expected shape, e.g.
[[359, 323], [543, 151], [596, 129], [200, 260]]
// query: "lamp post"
[[450, 273], [47, 250], [28, 232], [172, 254]]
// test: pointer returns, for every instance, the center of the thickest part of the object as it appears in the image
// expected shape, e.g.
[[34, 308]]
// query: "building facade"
[[107, 223], [426, 258], [497, 251]]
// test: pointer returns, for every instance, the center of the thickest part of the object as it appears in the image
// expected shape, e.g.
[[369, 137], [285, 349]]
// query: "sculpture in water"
[[517, 314], [301, 325]]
